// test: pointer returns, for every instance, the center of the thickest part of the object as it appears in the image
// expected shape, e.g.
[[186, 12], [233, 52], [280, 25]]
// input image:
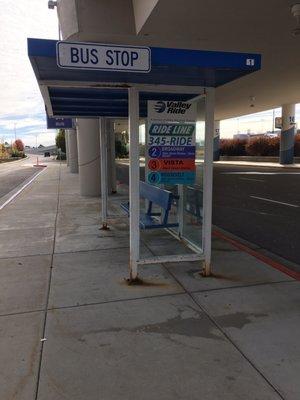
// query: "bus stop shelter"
[[91, 80]]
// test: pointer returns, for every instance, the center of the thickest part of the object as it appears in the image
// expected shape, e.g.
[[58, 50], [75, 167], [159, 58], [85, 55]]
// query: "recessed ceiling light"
[[295, 10]]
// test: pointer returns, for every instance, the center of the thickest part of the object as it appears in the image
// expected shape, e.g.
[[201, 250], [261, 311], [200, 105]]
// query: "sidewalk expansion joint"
[[93, 250], [49, 286], [241, 286], [214, 322], [22, 312], [115, 301], [26, 256]]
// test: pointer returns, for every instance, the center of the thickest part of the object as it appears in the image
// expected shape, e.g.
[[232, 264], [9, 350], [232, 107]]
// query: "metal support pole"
[[113, 158], [103, 161], [180, 210], [109, 165], [134, 181], [217, 141], [208, 178]]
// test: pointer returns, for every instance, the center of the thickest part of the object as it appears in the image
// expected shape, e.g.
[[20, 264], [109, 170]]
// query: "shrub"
[[121, 150], [232, 147], [3, 151], [263, 146], [61, 156], [16, 153], [60, 140]]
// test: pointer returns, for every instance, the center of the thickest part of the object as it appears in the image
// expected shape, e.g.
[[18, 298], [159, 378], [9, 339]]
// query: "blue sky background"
[[21, 103], [20, 99]]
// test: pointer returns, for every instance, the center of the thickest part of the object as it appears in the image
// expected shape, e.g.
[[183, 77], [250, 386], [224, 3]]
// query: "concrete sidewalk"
[[71, 328]]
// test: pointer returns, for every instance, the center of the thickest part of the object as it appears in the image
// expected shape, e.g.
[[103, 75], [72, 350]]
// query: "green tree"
[[61, 140]]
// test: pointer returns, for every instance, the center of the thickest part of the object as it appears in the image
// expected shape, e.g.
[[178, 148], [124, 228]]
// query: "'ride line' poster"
[[171, 142]]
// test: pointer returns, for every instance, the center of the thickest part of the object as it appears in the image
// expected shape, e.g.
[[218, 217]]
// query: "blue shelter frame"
[[175, 74]]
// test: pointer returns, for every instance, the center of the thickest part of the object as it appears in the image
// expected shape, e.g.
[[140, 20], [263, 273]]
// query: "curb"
[[255, 253], [15, 161]]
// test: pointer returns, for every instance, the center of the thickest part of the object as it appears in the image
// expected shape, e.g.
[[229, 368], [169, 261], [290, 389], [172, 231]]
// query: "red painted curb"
[[267, 260]]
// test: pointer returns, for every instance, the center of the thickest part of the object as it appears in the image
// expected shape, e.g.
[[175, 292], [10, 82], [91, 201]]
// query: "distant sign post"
[[171, 142], [59, 123], [103, 57]]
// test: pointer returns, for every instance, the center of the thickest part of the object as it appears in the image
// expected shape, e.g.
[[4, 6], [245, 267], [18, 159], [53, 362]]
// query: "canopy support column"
[[112, 138], [208, 178], [134, 182], [103, 161]]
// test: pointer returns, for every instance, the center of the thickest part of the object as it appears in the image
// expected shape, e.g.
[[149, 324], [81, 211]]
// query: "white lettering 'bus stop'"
[[103, 57]]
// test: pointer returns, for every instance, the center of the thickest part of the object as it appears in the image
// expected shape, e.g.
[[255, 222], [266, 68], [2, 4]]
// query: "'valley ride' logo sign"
[[172, 110], [160, 106], [172, 107]]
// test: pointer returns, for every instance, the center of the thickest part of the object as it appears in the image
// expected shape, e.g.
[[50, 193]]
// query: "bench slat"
[[158, 196], [162, 198]]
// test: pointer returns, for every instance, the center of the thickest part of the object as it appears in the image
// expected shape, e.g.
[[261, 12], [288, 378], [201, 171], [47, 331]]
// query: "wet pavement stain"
[[238, 320], [143, 282], [196, 326], [189, 327], [230, 378]]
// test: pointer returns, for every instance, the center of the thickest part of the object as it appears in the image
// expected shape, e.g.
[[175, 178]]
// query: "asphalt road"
[[259, 204], [13, 174]]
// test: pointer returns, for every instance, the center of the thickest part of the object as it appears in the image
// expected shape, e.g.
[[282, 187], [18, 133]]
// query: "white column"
[[134, 180], [73, 151], [217, 141], [287, 138], [104, 179], [67, 146], [208, 178], [89, 156]]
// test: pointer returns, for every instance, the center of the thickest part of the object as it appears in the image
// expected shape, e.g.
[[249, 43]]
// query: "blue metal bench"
[[160, 197]]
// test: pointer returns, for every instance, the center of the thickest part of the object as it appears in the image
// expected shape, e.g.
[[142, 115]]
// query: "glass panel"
[[192, 195], [187, 207]]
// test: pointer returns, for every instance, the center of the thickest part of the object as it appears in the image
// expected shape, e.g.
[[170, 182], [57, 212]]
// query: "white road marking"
[[258, 173], [20, 190], [275, 201], [251, 179]]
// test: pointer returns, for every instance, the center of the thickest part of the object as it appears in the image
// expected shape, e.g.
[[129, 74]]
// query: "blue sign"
[[58, 123], [172, 151], [182, 178]]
